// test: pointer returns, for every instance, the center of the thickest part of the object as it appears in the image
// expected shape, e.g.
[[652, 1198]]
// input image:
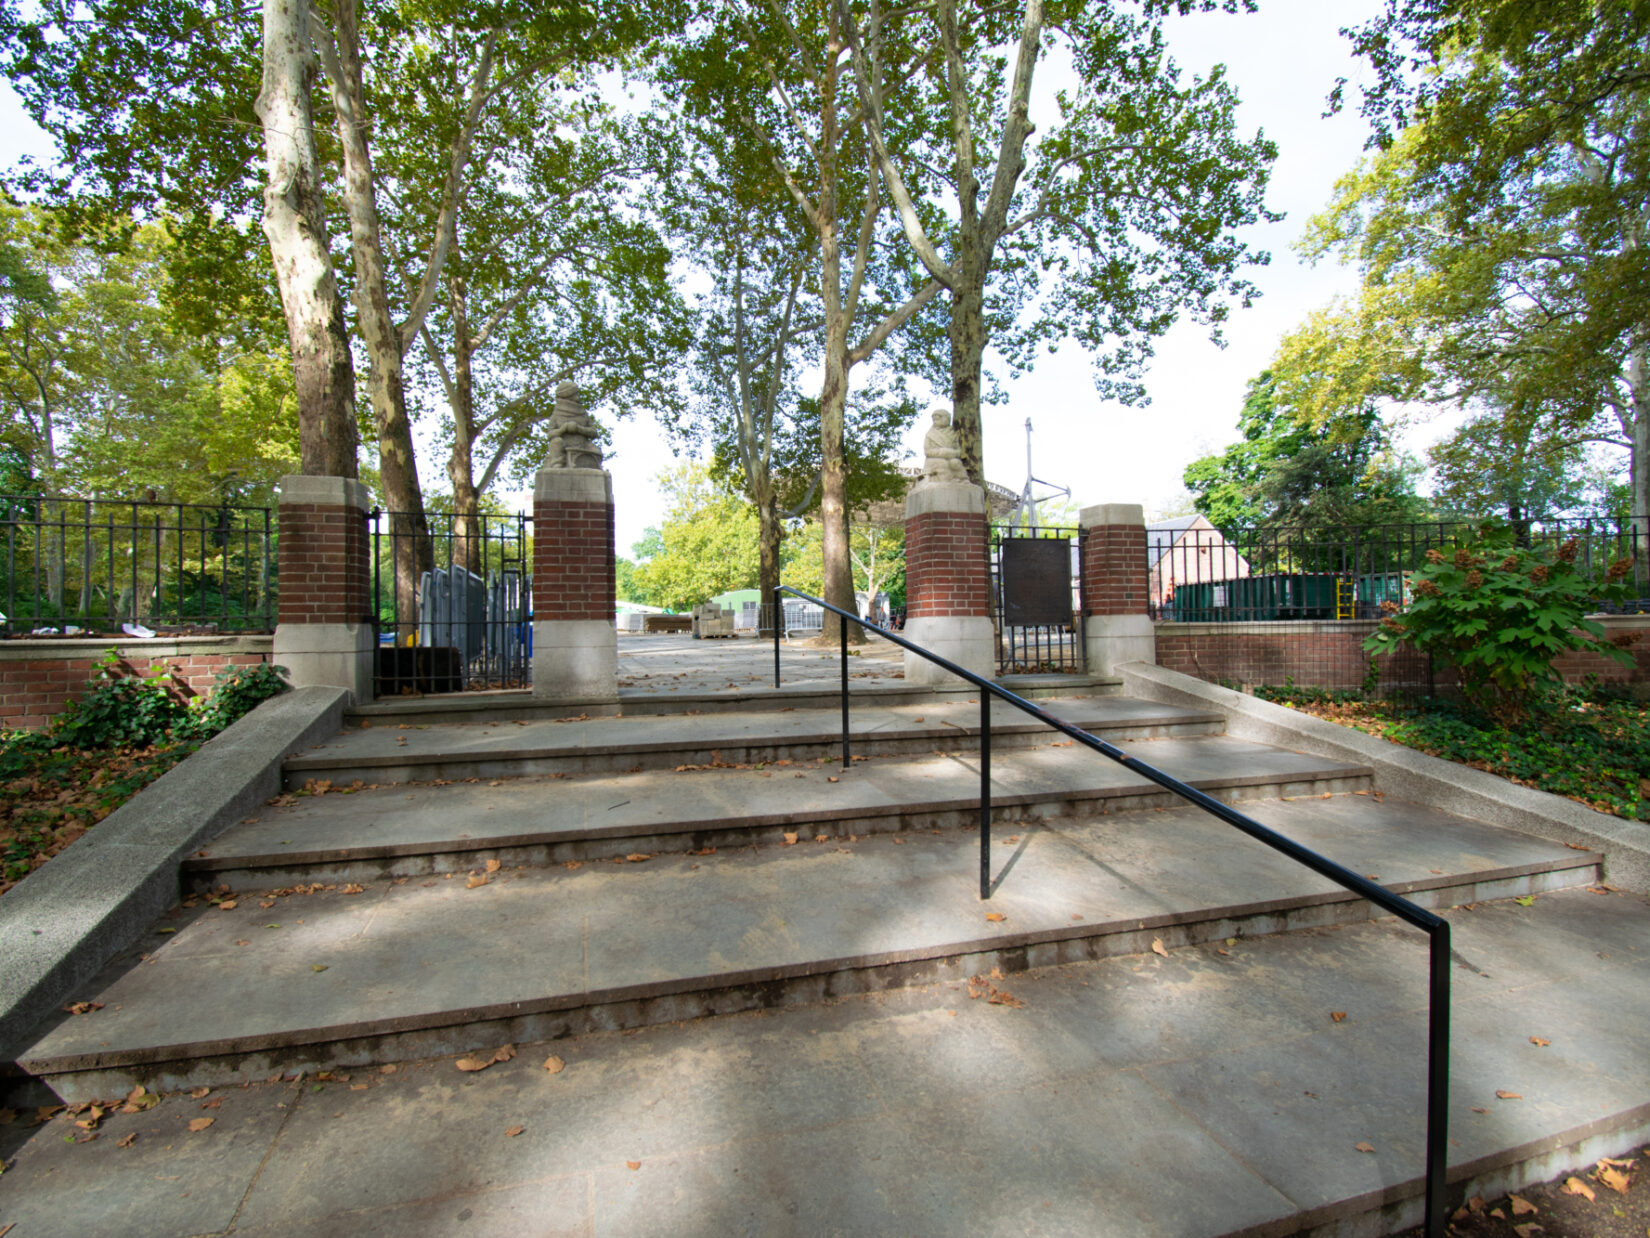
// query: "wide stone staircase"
[[434, 882]]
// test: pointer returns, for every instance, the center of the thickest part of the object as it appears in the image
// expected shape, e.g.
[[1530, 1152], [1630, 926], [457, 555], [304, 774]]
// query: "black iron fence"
[[452, 598], [95, 566], [1198, 574], [1036, 600]]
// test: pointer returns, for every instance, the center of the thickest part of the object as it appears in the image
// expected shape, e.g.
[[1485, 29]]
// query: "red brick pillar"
[[947, 585], [1116, 625], [575, 641], [324, 627]]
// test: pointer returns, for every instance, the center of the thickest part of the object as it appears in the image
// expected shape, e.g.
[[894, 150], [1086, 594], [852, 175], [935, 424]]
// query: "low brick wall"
[[1329, 654], [38, 678]]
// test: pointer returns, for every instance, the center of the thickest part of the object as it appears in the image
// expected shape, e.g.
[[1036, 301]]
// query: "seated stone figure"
[[573, 433], [942, 458]]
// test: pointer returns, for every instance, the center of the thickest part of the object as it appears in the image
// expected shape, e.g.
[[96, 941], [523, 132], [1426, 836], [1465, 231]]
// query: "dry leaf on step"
[[1508, 1095], [1337, 1016], [1521, 1206], [554, 1064], [632, 1164], [1159, 948], [514, 1131], [996, 917], [1539, 1042], [790, 838], [502, 1054], [1613, 1178], [492, 866], [1575, 1186], [475, 882], [1527, 1229], [1364, 1146], [200, 1124]]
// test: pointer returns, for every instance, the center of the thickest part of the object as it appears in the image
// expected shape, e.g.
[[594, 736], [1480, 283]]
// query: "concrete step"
[[1202, 1093], [428, 752], [402, 830], [349, 976]]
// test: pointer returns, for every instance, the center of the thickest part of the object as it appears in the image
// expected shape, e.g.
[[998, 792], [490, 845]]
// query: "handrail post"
[[1438, 1081], [985, 796], [776, 618], [842, 627]]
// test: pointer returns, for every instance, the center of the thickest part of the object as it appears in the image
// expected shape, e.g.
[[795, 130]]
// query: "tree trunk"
[[461, 463], [397, 465], [295, 224], [967, 334], [1638, 465], [770, 535]]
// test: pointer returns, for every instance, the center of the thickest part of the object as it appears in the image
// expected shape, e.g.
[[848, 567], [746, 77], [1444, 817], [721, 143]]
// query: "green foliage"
[[236, 692], [1291, 472], [706, 545], [1574, 741], [120, 710], [1500, 613]]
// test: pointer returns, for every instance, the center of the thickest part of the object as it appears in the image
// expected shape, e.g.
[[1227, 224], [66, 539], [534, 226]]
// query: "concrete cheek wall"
[[38, 678], [1329, 654]]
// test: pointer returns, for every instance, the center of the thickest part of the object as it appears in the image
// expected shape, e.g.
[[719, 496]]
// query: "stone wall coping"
[[1103, 514], [573, 486], [74, 648], [1407, 774], [324, 491], [64, 922], [944, 496]]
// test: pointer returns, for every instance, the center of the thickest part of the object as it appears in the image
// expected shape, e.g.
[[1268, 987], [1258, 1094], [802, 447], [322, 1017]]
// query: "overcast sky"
[[1282, 61]]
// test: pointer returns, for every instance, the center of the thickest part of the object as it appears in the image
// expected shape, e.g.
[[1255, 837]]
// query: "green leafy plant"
[[236, 692], [1500, 614], [121, 710]]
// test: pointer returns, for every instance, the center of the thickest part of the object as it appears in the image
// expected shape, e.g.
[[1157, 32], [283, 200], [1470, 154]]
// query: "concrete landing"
[[1199, 1094], [409, 967], [406, 829], [424, 752]]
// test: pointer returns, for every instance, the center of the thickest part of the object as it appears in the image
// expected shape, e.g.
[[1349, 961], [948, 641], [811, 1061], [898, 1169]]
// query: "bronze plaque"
[[1036, 574]]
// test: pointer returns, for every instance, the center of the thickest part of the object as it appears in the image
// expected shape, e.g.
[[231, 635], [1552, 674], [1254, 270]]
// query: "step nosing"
[[775, 973]]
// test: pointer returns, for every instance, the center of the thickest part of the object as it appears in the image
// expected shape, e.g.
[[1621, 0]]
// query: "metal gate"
[[453, 604], [1035, 577]]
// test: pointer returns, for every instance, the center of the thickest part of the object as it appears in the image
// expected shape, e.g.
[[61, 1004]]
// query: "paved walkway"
[[669, 663], [1207, 1092]]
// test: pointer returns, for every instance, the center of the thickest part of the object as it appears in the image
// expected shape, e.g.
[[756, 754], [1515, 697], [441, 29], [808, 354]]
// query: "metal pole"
[[985, 796], [1438, 1082], [842, 627], [776, 618]]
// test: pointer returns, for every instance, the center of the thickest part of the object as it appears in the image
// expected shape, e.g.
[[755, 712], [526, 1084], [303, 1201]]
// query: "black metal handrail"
[[1435, 926]]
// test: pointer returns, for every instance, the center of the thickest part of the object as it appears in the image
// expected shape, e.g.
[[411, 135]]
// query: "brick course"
[[945, 566], [1114, 569], [574, 570], [37, 684], [324, 565]]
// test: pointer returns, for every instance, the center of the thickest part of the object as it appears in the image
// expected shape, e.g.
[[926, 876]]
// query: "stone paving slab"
[[600, 742], [400, 820], [405, 956], [1203, 1093]]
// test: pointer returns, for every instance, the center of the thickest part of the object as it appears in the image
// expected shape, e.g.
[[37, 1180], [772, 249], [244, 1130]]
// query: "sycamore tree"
[[778, 76], [1108, 227], [1500, 223], [705, 545]]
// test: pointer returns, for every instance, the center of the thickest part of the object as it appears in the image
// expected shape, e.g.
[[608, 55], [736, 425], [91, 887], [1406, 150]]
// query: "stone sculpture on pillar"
[[575, 640], [942, 457], [573, 433]]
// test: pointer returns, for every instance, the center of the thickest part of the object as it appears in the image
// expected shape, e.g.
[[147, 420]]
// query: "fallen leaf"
[[996, 917], [1575, 1186], [266, 903], [127, 1140], [1521, 1206], [1479, 1109], [354, 887], [318, 967], [1338, 1016], [1508, 1095], [638, 857], [1539, 1042], [1364, 1146], [475, 882], [1527, 901], [1476, 1205], [492, 866], [1528, 1228], [1613, 1178], [227, 905], [84, 1007], [830, 778], [790, 838], [199, 1093], [554, 1064], [389, 1068], [502, 1054], [632, 1164], [1159, 948], [514, 1131], [200, 1124], [1001, 997]]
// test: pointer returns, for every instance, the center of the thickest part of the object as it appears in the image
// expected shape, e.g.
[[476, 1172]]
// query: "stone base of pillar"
[[1111, 640], [966, 640], [328, 654], [575, 661]]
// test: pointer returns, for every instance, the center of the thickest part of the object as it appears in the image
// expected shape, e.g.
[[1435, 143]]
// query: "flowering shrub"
[[1500, 614]]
